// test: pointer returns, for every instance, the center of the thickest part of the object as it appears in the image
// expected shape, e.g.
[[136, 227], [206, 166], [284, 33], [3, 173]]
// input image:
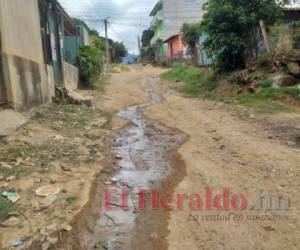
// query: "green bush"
[[265, 61], [266, 84], [89, 64], [294, 26]]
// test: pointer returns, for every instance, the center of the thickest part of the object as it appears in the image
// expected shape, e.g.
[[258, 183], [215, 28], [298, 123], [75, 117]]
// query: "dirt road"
[[195, 174], [196, 149]]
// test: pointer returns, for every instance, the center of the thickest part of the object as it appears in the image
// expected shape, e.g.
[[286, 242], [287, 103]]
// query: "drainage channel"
[[142, 150]]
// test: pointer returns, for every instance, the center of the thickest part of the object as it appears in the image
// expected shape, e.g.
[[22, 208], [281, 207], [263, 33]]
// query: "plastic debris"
[[66, 227], [11, 178], [47, 190], [16, 243], [11, 222], [48, 201], [114, 180], [12, 196]]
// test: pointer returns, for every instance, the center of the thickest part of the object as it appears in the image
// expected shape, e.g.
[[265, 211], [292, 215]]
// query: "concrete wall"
[[51, 81], [71, 76], [177, 12], [24, 74], [2, 85]]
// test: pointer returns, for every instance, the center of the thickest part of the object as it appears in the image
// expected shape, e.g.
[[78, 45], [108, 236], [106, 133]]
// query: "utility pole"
[[106, 40], [140, 50], [265, 35]]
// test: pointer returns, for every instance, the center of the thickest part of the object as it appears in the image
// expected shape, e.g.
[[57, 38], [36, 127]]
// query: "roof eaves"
[[158, 6]]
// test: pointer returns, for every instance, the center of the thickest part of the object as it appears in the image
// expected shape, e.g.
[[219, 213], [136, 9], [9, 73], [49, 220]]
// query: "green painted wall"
[[70, 49]]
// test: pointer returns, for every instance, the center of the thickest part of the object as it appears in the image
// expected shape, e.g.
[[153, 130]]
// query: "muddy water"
[[142, 149]]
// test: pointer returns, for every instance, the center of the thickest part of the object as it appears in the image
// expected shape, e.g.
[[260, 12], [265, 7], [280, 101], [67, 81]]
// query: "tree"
[[146, 37], [94, 33], [148, 54], [89, 63], [232, 28], [190, 36], [119, 51], [98, 42]]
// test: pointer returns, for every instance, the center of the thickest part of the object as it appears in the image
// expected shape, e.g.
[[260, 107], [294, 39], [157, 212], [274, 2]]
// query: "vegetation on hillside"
[[201, 82], [232, 28]]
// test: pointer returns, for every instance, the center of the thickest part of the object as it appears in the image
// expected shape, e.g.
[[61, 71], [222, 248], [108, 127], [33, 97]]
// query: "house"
[[157, 27], [61, 43], [175, 47], [33, 55], [84, 38], [176, 13], [168, 16], [75, 36], [23, 71]]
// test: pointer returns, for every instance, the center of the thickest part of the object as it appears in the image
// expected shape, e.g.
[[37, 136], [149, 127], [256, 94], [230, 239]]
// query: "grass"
[[41, 155], [266, 97], [69, 117], [259, 103], [6, 207], [71, 198], [99, 84], [197, 81], [93, 153]]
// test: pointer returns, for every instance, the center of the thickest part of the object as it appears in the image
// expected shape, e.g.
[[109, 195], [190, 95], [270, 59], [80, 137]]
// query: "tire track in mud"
[[147, 159]]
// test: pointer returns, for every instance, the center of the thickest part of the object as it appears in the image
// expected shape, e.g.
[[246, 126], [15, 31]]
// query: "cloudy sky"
[[128, 18]]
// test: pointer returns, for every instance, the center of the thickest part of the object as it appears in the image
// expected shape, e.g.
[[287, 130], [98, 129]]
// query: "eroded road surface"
[[142, 149], [172, 143]]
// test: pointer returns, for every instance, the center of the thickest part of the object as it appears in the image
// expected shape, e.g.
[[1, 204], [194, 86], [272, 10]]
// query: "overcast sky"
[[128, 18]]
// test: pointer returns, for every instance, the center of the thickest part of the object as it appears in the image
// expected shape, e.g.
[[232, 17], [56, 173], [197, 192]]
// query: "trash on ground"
[[11, 222], [12, 196], [47, 190], [16, 243]]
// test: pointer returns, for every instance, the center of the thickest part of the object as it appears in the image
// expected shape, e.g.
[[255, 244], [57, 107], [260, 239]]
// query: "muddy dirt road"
[[189, 151]]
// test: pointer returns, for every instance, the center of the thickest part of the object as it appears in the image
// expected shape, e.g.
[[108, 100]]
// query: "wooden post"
[[265, 35]]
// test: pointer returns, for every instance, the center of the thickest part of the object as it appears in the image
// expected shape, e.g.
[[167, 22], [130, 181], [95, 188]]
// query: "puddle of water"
[[144, 148]]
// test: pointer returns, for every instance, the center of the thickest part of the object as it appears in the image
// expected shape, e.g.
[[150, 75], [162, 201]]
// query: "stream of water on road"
[[143, 149]]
